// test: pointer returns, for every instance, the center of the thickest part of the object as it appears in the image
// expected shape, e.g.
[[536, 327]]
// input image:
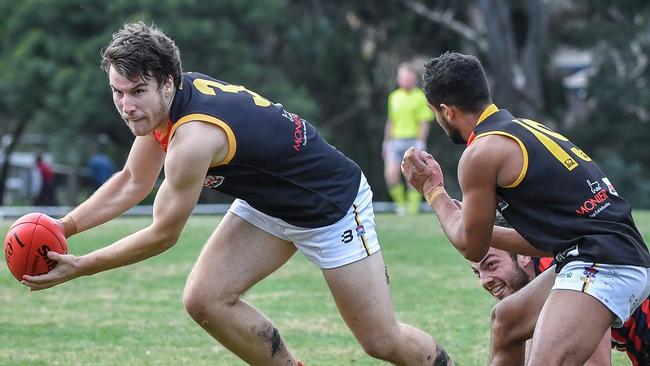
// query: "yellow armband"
[[433, 194]]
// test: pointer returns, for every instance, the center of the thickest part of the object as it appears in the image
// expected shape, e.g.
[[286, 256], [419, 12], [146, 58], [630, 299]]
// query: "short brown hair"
[[139, 50]]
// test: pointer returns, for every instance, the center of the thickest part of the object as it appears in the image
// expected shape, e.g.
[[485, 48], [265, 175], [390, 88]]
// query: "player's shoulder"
[[490, 144], [494, 143], [489, 151], [192, 75]]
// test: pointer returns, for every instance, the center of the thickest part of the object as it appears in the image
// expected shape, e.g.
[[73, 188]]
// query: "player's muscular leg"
[[237, 256], [514, 318], [569, 329], [362, 296]]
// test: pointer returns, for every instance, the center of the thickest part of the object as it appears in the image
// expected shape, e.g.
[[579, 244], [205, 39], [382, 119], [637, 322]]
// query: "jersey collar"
[[487, 112], [163, 138]]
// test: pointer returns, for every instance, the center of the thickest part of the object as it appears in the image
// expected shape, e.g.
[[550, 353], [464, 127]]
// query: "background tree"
[[334, 63]]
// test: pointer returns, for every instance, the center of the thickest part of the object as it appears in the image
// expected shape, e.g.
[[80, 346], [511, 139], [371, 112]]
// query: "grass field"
[[134, 315]]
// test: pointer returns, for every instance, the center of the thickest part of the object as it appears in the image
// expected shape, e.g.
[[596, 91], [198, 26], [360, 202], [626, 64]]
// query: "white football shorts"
[[348, 240], [621, 288]]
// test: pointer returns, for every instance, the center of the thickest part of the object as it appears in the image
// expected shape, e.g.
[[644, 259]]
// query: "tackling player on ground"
[[503, 274]]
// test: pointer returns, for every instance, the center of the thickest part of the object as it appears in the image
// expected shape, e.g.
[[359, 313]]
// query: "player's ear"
[[447, 111], [168, 86], [523, 260]]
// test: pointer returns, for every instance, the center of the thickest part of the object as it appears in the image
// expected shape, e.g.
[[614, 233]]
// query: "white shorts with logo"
[[620, 288], [348, 240]]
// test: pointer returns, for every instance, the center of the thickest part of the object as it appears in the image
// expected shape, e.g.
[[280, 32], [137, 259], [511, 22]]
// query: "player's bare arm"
[[468, 228], [489, 162], [123, 190], [185, 167], [511, 241], [510, 164]]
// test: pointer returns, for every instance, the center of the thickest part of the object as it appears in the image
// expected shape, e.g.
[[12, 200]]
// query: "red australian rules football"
[[28, 241]]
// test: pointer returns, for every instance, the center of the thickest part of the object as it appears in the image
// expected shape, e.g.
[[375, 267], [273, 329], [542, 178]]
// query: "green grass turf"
[[134, 315]]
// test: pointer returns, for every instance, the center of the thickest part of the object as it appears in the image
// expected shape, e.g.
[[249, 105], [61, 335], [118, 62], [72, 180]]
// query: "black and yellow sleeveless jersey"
[[276, 161], [562, 202]]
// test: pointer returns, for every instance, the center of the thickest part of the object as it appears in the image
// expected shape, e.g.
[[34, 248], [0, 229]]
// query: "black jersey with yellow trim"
[[562, 202], [276, 161]]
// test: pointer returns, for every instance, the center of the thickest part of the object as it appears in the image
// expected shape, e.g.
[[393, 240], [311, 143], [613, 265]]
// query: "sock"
[[397, 194], [414, 199]]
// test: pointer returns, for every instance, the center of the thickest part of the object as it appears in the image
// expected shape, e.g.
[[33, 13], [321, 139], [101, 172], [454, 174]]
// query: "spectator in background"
[[101, 166], [46, 193], [407, 125]]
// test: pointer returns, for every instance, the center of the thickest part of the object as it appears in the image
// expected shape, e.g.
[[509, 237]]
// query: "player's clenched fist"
[[421, 170]]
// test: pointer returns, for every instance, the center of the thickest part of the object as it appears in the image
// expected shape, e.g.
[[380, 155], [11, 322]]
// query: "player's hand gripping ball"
[[28, 241]]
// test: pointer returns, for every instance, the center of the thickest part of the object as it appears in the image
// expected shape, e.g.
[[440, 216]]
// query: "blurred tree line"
[[334, 63]]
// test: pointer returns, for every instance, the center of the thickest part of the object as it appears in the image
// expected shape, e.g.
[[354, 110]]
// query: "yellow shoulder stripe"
[[524, 152], [232, 141]]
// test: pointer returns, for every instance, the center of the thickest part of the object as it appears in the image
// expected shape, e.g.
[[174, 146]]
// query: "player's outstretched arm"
[[185, 167], [511, 241], [123, 190]]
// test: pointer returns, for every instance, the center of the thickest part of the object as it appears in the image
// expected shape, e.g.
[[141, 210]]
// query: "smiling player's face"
[[142, 104], [500, 274]]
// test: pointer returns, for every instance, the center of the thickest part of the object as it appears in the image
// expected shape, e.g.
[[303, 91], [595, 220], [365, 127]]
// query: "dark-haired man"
[[294, 192], [557, 200], [503, 274]]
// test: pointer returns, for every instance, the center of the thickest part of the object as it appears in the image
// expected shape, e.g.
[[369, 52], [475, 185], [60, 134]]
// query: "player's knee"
[[202, 305]]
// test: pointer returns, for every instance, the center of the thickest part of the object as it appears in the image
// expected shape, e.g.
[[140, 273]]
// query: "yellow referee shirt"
[[406, 109]]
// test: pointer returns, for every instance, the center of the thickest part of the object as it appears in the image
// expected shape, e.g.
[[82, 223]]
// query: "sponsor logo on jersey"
[[299, 132], [610, 186], [570, 163], [501, 204], [596, 203], [213, 181], [568, 252], [594, 186]]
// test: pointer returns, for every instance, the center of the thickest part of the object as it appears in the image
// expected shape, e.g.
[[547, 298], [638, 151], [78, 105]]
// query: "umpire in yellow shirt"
[[407, 125]]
